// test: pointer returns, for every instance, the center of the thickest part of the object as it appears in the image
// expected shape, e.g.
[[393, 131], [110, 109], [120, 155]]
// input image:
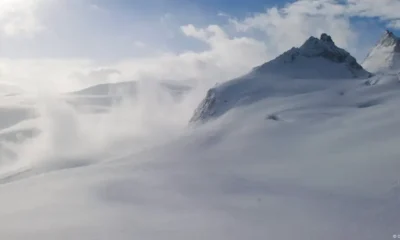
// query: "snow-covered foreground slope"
[[315, 164]]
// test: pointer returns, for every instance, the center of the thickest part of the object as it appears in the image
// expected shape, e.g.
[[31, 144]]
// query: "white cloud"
[[191, 31], [225, 51], [395, 24], [223, 14], [228, 53], [19, 17], [225, 58], [387, 10], [293, 24], [100, 75], [53, 75]]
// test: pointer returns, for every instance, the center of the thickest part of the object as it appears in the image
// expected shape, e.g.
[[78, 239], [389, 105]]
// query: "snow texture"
[[294, 159]]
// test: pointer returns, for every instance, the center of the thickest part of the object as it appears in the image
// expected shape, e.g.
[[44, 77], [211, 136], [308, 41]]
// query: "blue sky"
[[201, 13], [178, 39], [106, 29], [232, 6]]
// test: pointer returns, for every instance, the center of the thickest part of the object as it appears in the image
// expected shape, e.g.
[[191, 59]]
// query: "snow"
[[316, 65], [283, 159], [315, 59], [385, 56]]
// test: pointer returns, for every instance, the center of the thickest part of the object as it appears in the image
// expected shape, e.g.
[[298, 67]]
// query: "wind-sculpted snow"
[[284, 159], [323, 168]]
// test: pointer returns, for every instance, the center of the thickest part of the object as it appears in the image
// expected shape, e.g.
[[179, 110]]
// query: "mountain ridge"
[[316, 60], [316, 50]]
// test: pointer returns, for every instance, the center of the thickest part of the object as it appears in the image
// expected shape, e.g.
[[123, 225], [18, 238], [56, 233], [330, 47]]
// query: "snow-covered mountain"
[[298, 70], [301, 159], [385, 56], [315, 59]]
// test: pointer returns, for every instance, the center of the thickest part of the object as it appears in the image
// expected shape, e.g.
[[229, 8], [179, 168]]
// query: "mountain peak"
[[315, 51], [385, 56], [390, 39], [316, 61], [326, 38], [324, 47]]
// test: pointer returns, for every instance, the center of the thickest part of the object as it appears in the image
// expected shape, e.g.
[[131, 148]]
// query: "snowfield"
[[283, 158]]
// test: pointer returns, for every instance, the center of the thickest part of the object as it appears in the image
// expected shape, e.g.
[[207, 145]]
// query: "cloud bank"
[[21, 17]]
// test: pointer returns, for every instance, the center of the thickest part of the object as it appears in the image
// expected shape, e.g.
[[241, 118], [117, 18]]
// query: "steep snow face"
[[385, 56], [297, 71]]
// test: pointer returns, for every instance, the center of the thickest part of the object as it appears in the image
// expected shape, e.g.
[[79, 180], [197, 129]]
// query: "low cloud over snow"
[[292, 150]]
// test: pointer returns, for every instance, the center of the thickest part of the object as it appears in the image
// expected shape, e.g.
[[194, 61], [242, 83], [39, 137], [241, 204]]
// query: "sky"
[[62, 45]]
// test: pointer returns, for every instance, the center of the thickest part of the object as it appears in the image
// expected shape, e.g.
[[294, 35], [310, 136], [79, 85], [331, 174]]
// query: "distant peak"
[[385, 56], [319, 51], [324, 39], [389, 39], [324, 42], [389, 33], [323, 47]]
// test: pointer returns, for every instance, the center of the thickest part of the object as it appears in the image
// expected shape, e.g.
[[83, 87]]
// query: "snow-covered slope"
[[296, 71], [385, 56], [320, 165], [300, 159]]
